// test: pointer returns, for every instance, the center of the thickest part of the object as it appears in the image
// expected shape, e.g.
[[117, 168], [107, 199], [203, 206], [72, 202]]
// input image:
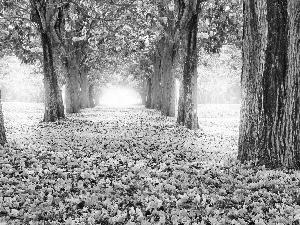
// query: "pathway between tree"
[[109, 165]]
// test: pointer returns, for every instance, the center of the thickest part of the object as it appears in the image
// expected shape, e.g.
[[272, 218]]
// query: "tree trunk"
[[92, 96], [46, 20], [156, 83], [290, 122], [2, 128], [96, 97], [72, 65], [168, 80], [143, 92], [269, 131], [148, 99], [144, 98], [187, 107], [84, 85], [54, 108], [262, 75]]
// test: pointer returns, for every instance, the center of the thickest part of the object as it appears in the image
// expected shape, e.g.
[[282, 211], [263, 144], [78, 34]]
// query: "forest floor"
[[133, 166]]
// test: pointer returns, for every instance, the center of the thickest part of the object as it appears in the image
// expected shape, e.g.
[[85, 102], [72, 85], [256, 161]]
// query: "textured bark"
[[72, 66], [54, 108], [187, 107], [269, 131], [72, 88], [156, 83], [168, 79], [49, 19], [253, 61], [289, 130], [2, 128], [84, 85]]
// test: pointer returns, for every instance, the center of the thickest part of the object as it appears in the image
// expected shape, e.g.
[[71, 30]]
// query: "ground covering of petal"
[[132, 166]]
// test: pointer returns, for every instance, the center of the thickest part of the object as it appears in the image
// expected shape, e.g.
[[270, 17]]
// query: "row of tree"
[[175, 53], [163, 38]]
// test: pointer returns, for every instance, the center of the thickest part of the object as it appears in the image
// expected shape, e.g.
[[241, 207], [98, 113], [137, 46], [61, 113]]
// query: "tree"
[[75, 33], [187, 107], [2, 128], [269, 127], [166, 49], [156, 82], [49, 16]]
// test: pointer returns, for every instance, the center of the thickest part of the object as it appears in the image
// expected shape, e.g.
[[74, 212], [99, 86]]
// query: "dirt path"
[[109, 165], [133, 128]]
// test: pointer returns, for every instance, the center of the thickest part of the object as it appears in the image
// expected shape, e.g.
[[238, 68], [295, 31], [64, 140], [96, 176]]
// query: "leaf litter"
[[133, 166]]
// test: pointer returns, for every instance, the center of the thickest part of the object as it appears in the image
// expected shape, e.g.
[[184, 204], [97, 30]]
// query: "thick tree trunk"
[[2, 128], [72, 88], [49, 21], [269, 133], [263, 74], [84, 85], [54, 108], [187, 107], [290, 122], [156, 83], [168, 80]]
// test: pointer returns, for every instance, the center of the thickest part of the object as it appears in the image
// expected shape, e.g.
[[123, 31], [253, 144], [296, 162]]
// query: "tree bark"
[[2, 128], [72, 88], [143, 92], [54, 108], [96, 96], [48, 23], [84, 85], [156, 83], [149, 94], [144, 99], [187, 105], [269, 131], [290, 128], [168, 79], [72, 65], [92, 96]]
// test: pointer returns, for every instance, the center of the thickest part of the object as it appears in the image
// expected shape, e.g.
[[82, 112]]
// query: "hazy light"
[[119, 97]]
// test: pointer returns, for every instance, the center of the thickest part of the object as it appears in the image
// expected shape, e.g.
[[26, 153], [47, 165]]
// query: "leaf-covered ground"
[[132, 166]]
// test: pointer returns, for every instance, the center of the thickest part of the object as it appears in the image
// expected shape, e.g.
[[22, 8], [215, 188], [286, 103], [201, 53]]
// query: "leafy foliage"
[[221, 23], [18, 35]]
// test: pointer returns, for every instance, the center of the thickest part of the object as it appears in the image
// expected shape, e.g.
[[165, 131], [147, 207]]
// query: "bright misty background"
[[218, 81]]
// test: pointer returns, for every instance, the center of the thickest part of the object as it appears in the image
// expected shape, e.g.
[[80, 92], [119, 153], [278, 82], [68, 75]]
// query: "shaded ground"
[[132, 166]]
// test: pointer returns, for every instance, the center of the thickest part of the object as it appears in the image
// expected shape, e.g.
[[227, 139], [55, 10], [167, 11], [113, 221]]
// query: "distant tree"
[[166, 51], [269, 127], [2, 128]]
